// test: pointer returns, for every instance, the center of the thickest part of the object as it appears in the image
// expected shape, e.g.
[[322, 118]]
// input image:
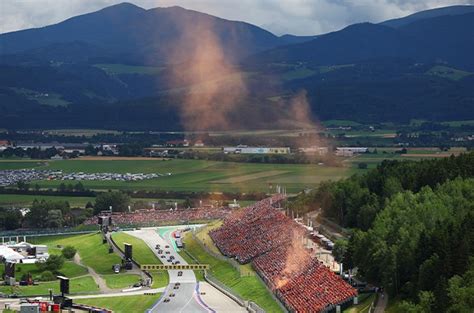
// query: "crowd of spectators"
[[160, 217], [273, 243]]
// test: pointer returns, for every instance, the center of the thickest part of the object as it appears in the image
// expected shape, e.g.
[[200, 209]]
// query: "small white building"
[[350, 151], [56, 157], [316, 150], [256, 150]]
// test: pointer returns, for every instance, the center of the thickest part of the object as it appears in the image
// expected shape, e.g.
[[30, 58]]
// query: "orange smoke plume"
[[211, 86]]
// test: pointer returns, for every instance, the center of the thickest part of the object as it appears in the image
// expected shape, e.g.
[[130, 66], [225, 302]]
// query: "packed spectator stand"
[[162, 217], [273, 243]]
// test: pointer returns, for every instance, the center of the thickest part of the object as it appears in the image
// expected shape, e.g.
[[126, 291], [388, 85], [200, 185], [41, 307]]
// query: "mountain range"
[[116, 68]]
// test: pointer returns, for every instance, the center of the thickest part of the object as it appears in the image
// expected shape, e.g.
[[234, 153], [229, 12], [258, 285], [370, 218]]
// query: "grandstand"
[[158, 217], [273, 243]]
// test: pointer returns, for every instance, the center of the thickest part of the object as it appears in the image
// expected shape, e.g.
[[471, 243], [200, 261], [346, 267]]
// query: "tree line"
[[419, 247], [354, 202], [412, 229]]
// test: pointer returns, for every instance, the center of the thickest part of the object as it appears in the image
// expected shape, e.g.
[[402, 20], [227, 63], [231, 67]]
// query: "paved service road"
[[186, 298]]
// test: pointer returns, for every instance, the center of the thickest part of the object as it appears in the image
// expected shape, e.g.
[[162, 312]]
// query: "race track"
[[187, 298]]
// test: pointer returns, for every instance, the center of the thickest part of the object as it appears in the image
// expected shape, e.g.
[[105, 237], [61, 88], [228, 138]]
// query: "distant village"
[[60, 151]]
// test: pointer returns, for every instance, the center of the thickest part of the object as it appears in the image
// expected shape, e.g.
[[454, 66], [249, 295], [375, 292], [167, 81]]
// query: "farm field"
[[124, 304], [9, 199], [414, 154], [18, 200], [80, 132], [200, 175], [215, 176], [15, 164]]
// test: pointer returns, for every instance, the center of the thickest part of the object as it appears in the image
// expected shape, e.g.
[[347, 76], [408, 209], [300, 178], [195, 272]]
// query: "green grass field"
[[80, 132], [69, 269], [447, 72], [248, 287], [91, 249], [141, 252], [77, 285], [160, 278], [123, 304], [121, 281], [19, 200], [298, 73], [7, 164], [459, 123], [200, 175], [95, 254], [208, 176], [8, 199], [50, 98]]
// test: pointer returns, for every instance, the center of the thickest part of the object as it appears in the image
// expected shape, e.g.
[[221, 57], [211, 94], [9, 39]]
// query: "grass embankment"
[[143, 255], [79, 281], [365, 300], [247, 287], [141, 252], [77, 285], [121, 281], [69, 269], [92, 251], [123, 304], [93, 254]]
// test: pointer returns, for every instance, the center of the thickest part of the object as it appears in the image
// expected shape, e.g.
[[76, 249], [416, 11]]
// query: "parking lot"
[[11, 177]]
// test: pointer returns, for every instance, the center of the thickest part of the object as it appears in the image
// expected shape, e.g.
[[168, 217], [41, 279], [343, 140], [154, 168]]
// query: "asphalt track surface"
[[185, 299]]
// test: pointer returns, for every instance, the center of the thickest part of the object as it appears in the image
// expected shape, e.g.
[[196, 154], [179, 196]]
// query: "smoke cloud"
[[297, 259], [211, 85]]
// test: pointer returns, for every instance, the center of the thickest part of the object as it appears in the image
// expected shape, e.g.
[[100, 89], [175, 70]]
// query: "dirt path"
[[97, 278], [381, 303]]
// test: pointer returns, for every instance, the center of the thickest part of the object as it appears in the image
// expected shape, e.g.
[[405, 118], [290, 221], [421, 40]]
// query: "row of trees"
[[293, 158], [355, 202], [412, 229], [420, 245], [55, 214], [33, 153], [58, 214], [63, 188]]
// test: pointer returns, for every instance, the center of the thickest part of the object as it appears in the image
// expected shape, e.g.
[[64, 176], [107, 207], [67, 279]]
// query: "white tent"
[[10, 255]]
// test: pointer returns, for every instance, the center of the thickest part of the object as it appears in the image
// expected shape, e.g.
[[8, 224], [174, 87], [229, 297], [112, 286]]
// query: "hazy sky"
[[299, 17]]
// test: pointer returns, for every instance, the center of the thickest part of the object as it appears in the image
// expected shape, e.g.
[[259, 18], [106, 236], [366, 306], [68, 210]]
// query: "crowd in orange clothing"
[[158, 217], [273, 243]]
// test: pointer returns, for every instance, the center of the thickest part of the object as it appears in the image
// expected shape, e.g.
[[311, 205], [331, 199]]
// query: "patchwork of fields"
[[195, 175], [204, 176]]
